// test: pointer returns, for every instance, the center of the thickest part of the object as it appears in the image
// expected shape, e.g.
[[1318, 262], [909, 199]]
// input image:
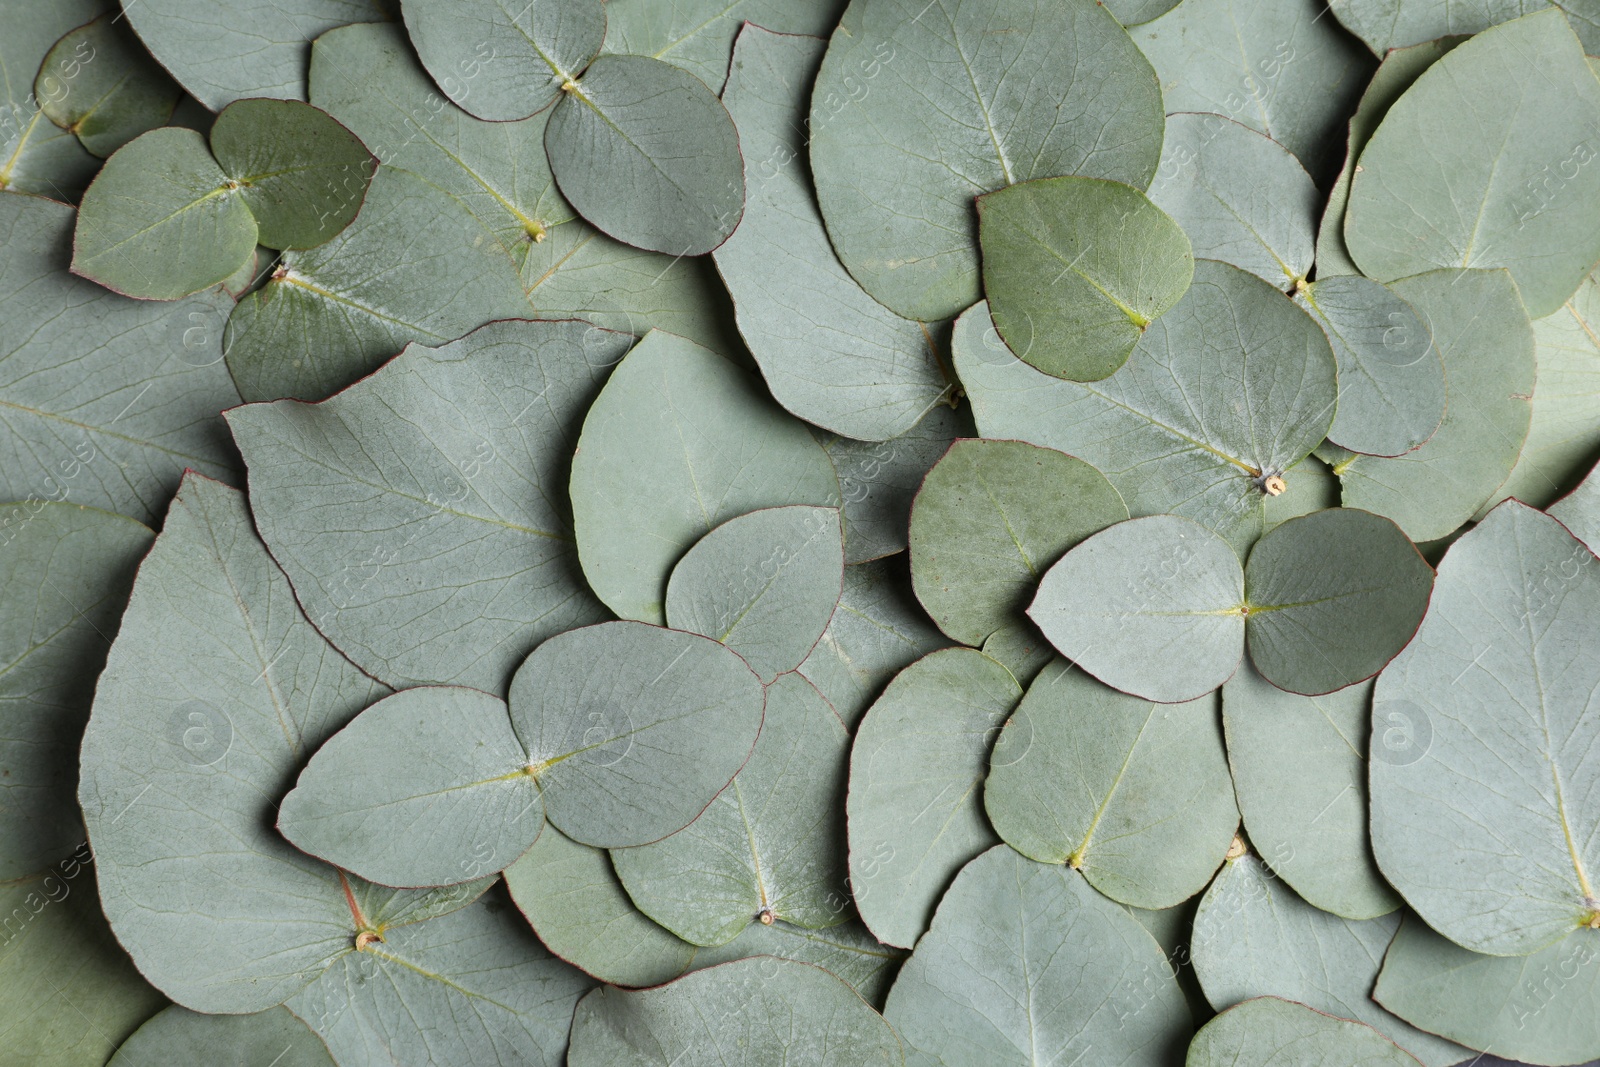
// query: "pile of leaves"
[[1032, 532]]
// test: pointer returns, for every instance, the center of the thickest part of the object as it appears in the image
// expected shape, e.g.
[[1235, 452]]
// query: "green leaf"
[[1579, 511], [1025, 960], [764, 584], [100, 83], [1538, 1008], [1107, 280], [1483, 336], [1231, 386], [679, 442], [1386, 24], [1154, 607], [225, 51], [36, 156], [917, 110], [1270, 1032], [849, 952], [1133, 794], [202, 717], [504, 59], [699, 35], [1276, 66], [741, 1014], [914, 810], [1391, 379], [877, 631], [1504, 677], [104, 401], [830, 353], [436, 547], [162, 220], [414, 266], [1239, 196], [1300, 771], [499, 170], [1431, 192], [770, 847], [65, 573], [1253, 937], [178, 1035], [71, 993], [1133, 12], [302, 175], [472, 987], [990, 519], [1022, 650], [648, 155]]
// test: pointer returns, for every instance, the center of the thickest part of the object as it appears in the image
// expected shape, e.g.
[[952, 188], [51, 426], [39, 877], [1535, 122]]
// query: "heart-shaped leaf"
[[65, 573], [505, 59], [830, 353], [1061, 971], [678, 442], [437, 547], [36, 155], [990, 519], [1503, 678], [100, 83], [771, 846], [647, 154], [1271, 1032], [1428, 194], [914, 810], [178, 1035], [1133, 794], [699, 35], [764, 584], [900, 147]]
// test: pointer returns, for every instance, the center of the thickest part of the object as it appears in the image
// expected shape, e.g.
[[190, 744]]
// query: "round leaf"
[[678, 442], [1270, 1032], [990, 518], [1579, 511], [900, 146], [178, 1035], [504, 59], [1387, 24], [100, 83], [1504, 676], [698, 35], [37, 156], [647, 154], [162, 220], [849, 952], [764, 584], [1133, 794]]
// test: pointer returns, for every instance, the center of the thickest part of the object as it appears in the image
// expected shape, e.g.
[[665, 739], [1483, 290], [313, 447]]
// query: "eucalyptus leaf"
[[1134, 795], [504, 59], [830, 353], [915, 813], [648, 155], [1230, 387], [1253, 937], [1579, 511], [1276, 66], [764, 584], [1239, 195], [414, 266], [1538, 1008], [1300, 771], [1272, 1032], [1391, 378], [848, 951], [770, 847], [1024, 961], [1486, 343], [877, 630], [699, 35], [1502, 678], [104, 400], [740, 1014], [100, 83], [1021, 649], [437, 547], [1428, 195], [36, 155], [1387, 24], [178, 1035], [916, 111], [1133, 12], [65, 574], [678, 442], [990, 519]]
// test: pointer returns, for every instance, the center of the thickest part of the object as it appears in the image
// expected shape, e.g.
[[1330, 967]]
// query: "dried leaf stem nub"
[[765, 915], [366, 938], [1237, 848]]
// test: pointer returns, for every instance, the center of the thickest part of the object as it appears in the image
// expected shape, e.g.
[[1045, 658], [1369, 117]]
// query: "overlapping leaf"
[[100, 83], [1272, 1032], [1387, 24], [699, 35], [36, 155], [183, 1036]]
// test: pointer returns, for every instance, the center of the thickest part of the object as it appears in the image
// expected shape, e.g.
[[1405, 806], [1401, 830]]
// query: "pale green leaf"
[[1387, 24], [100, 83], [699, 35], [36, 155], [1271, 1032], [178, 1035]]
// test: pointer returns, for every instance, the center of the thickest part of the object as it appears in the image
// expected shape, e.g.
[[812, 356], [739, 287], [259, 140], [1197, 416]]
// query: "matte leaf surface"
[[699, 35], [178, 1035], [1386, 24], [680, 441], [1579, 511], [1133, 794], [100, 83], [36, 155], [1271, 1032], [917, 109], [436, 546], [849, 952]]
